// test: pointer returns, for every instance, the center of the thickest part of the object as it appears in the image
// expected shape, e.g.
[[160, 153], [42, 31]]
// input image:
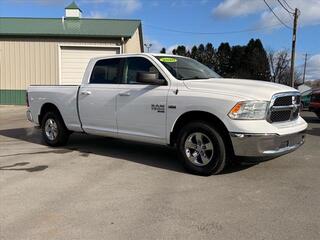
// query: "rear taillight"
[[27, 99]]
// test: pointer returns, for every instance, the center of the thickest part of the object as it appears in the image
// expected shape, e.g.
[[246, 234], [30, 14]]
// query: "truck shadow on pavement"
[[147, 154], [311, 129], [12, 167]]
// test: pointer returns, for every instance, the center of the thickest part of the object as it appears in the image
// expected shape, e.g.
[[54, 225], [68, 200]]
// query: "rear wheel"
[[202, 149], [54, 131]]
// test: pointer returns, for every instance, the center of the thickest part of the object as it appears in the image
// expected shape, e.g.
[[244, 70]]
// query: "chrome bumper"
[[264, 145]]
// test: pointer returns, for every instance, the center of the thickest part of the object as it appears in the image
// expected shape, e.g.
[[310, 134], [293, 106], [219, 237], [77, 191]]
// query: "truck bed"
[[64, 97]]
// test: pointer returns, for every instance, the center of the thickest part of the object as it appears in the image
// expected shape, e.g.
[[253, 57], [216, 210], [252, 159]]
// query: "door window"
[[135, 65], [106, 71]]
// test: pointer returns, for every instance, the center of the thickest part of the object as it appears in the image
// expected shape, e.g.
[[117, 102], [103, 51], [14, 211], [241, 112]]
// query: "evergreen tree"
[[194, 52], [200, 53], [249, 61], [163, 50], [224, 55], [209, 56], [181, 50], [255, 62], [237, 54]]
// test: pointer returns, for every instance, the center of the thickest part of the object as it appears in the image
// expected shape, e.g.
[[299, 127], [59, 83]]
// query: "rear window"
[[106, 71]]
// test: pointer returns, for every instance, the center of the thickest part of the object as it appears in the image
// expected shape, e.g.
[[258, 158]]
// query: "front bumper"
[[265, 145]]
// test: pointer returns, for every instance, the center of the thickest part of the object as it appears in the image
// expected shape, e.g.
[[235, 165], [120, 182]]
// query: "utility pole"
[[293, 52], [304, 69], [148, 46]]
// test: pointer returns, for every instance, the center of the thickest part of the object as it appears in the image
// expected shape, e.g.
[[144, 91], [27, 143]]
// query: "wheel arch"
[[46, 107], [209, 118]]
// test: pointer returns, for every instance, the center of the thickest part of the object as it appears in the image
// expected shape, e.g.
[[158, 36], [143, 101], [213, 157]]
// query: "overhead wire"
[[279, 19], [292, 9], [212, 33], [285, 8]]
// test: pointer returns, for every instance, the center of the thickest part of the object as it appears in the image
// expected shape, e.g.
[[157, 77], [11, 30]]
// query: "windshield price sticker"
[[168, 60]]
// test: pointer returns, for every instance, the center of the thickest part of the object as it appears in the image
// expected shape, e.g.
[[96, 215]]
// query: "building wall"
[[36, 61], [134, 44]]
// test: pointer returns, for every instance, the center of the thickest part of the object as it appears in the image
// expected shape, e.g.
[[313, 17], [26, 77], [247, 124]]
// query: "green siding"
[[12, 97]]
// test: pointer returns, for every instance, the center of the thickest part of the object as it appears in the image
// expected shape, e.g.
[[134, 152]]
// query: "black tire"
[[62, 134], [218, 159], [318, 114]]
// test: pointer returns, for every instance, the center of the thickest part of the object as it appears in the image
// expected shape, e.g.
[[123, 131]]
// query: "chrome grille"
[[284, 107]]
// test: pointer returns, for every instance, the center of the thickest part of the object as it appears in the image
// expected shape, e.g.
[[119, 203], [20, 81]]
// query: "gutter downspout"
[[122, 45]]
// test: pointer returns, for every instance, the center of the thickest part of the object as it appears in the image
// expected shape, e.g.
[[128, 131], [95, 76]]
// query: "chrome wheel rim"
[[199, 149], [51, 129]]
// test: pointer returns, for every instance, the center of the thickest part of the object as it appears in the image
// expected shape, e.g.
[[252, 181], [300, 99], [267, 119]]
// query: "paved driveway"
[[101, 188]]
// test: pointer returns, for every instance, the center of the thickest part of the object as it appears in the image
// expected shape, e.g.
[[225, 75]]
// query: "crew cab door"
[[141, 108], [97, 99]]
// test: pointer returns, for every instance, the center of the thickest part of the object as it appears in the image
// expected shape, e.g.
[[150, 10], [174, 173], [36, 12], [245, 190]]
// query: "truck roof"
[[137, 54]]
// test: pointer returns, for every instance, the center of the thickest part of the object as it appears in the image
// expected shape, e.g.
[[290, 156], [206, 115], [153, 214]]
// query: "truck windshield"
[[186, 68]]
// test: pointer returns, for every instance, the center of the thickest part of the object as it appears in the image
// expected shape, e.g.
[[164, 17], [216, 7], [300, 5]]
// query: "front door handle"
[[124, 94], [85, 92]]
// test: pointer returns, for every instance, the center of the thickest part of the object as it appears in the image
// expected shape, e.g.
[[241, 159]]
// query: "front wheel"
[[201, 149], [54, 131]]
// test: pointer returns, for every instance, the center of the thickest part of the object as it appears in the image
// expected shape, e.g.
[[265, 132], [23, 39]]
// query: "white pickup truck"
[[172, 100]]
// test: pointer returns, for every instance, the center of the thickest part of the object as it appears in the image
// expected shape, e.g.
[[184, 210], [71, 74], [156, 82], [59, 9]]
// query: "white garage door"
[[74, 61]]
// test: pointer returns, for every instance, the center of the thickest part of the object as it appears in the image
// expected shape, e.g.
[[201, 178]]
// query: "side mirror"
[[150, 78]]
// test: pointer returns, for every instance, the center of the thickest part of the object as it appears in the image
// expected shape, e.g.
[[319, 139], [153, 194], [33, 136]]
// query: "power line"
[[291, 8], [276, 15], [291, 13], [212, 33]]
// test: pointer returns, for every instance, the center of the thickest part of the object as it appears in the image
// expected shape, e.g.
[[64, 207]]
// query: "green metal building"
[[57, 50]]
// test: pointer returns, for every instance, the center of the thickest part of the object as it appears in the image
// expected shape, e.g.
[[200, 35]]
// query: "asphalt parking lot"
[[101, 188]]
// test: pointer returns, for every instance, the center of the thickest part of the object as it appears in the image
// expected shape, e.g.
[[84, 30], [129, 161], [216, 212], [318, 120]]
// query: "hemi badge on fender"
[[172, 106]]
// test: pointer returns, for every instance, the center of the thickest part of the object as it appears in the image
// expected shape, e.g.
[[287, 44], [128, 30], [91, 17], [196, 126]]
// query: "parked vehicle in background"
[[172, 100], [305, 99], [314, 105]]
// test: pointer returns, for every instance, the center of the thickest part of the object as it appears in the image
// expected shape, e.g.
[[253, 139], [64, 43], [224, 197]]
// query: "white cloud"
[[116, 7], [313, 68], [235, 8], [97, 14], [154, 4]]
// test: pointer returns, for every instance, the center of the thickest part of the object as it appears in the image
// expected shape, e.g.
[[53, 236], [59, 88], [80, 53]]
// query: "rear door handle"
[[85, 92], [124, 94]]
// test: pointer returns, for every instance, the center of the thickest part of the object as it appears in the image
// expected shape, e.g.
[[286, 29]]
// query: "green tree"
[[200, 53], [194, 52], [163, 50], [255, 61], [237, 55], [209, 56], [181, 50], [223, 59]]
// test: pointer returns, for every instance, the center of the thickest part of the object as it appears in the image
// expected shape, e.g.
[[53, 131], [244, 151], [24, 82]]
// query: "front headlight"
[[249, 110]]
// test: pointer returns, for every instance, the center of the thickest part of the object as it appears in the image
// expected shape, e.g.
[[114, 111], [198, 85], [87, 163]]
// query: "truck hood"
[[242, 88]]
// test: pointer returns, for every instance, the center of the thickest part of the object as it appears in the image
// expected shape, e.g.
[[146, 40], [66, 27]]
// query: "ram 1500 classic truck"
[[172, 100]]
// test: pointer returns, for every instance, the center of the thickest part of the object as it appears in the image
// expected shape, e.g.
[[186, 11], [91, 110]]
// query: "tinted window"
[[186, 68], [135, 65], [106, 71]]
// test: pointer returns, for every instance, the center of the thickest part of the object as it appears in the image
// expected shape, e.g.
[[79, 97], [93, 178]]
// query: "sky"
[[168, 23]]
